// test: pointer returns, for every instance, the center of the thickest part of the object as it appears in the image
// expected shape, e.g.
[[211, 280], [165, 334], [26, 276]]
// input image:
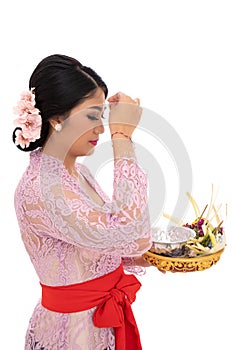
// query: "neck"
[[54, 148], [69, 163]]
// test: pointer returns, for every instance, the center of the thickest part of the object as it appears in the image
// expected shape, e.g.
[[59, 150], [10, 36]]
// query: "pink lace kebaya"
[[71, 239]]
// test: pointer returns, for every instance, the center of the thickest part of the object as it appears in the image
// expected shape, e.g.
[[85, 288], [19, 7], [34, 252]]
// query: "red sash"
[[112, 294]]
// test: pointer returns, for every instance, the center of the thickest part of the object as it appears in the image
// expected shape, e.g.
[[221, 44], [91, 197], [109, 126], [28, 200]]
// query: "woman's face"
[[80, 131]]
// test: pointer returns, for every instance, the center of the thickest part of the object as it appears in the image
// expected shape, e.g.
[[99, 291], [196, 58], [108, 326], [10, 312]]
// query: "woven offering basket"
[[179, 264], [189, 246]]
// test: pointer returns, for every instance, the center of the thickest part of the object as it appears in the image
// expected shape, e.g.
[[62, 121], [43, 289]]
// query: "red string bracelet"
[[121, 133]]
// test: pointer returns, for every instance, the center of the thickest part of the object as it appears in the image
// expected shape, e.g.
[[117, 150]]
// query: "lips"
[[94, 143]]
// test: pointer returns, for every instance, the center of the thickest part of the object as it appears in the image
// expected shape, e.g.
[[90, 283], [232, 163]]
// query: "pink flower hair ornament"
[[29, 120]]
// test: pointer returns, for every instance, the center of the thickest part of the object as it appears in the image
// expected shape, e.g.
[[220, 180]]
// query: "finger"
[[112, 98], [116, 97], [137, 100]]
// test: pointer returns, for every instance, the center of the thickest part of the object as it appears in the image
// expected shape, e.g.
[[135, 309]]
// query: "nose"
[[99, 129]]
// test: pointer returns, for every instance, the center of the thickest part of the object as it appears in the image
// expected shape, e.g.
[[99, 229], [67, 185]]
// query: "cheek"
[[81, 142], [77, 129], [81, 147]]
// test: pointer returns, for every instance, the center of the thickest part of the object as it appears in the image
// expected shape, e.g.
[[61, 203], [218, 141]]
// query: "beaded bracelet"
[[121, 133]]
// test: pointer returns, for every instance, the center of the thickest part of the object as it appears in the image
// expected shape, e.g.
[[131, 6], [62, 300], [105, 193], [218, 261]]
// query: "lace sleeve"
[[130, 265], [120, 226]]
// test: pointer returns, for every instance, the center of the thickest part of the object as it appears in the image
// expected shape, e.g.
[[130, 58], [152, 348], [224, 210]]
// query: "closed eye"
[[92, 117], [100, 112]]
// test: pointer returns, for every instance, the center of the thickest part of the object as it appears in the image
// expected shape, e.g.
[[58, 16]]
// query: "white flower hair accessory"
[[29, 120]]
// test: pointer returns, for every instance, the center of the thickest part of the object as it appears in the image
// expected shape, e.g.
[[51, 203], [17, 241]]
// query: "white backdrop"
[[177, 57]]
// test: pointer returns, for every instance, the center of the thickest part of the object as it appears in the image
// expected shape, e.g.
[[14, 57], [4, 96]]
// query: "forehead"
[[97, 99]]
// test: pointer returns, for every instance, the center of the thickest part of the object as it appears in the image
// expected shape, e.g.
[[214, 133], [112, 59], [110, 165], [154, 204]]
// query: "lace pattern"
[[71, 239]]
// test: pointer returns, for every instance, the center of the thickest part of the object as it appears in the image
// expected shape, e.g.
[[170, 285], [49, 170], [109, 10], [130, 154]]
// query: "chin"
[[89, 153]]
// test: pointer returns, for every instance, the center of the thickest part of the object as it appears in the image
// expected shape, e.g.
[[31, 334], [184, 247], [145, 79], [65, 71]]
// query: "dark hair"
[[60, 83]]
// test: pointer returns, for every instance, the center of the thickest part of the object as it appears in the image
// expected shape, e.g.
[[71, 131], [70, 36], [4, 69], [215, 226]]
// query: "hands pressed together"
[[125, 114]]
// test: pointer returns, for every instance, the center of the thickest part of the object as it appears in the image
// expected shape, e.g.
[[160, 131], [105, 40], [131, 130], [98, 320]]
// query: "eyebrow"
[[100, 109]]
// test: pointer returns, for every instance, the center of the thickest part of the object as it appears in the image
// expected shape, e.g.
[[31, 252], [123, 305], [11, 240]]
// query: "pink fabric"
[[112, 294], [70, 239]]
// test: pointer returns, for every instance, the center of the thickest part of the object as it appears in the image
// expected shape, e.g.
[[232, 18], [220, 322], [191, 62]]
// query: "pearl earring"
[[58, 127]]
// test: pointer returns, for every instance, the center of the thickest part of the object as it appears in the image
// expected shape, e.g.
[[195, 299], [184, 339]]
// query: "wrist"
[[120, 135]]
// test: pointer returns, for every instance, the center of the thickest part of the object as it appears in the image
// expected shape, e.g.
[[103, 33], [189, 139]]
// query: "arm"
[[136, 265], [121, 226]]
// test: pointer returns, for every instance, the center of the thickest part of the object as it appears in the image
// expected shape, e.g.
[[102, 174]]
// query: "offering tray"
[[188, 247], [180, 264]]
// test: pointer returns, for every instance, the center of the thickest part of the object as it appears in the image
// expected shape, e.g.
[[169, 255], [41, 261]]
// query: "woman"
[[77, 238]]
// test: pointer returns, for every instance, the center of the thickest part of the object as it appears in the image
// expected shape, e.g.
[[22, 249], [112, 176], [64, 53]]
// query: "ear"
[[54, 121]]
